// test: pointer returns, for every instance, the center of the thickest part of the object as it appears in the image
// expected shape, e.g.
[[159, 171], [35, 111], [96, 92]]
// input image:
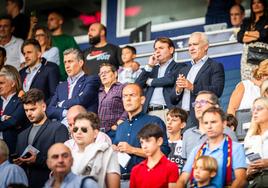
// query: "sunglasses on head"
[[83, 129]]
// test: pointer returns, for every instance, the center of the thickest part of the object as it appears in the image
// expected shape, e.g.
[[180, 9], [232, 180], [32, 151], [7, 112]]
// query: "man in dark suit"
[[13, 118], [158, 78], [42, 134], [79, 89], [203, 74], [38, 72]]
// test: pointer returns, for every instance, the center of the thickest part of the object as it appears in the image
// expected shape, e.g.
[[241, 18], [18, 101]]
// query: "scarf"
[[227, 162]]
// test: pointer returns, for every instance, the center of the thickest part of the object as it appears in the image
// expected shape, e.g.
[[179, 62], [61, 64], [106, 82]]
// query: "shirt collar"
[[162, 160], [73, 79], [167, 63], [36, 67], [220, 146], [68, 177], [137, 116], [4, 163], [202, 60], [9, 97], [114, 84]]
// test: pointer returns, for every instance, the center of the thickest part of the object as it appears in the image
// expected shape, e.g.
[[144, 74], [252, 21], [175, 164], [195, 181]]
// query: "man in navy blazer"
[[158, 78], [42, 134], [204, 74], [39, 73], [13, 118], [79, 89]]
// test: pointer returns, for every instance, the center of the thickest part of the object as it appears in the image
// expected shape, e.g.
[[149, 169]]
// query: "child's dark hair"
[[150, 130], [178, 112], [231, 121], [131, 48]]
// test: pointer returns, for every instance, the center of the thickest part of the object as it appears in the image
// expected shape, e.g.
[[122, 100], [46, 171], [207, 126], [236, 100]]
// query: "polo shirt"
[[238, 160], [163, 173], [193, 137], [128, 131]]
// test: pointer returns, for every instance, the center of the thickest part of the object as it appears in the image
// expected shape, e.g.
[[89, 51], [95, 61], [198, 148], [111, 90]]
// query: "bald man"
[[100, 51], [71, 114], [60, 161]]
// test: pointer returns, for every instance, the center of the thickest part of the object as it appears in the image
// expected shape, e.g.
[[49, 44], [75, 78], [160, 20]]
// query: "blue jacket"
[[46, 78], [12, 126], [85, 93], [210, 78], [167, 82]]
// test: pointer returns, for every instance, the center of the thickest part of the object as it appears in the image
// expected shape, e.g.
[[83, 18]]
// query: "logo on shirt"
[[98, 55]]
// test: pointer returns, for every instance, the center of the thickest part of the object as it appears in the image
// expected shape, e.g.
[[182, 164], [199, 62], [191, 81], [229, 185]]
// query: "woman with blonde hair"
[[264, 88], [243, 96], [256, 144]]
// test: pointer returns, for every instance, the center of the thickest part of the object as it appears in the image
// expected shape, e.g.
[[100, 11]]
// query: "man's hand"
[[124, 147], [29, 160], [153, 60], [183, 83]]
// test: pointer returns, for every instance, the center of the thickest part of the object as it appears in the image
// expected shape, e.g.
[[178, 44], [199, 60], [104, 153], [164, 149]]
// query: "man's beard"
[[94, 40]]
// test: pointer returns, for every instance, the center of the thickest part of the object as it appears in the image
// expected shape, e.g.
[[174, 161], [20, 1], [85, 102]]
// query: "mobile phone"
[[253, 156], [27, 155], [14, 156]]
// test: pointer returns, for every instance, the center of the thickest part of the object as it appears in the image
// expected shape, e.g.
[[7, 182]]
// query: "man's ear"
[[142, 100]]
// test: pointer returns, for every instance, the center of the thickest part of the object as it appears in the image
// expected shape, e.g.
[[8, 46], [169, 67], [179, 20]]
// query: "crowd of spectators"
[[97, 119]]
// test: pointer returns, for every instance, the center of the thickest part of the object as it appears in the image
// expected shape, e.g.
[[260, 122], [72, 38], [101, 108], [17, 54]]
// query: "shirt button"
[[128, 134], [130, 124]]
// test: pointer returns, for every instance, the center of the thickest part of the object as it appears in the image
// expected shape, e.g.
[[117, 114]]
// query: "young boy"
[[205, 169], [156, 170], [232, 122], [176, 121], [130, 69]]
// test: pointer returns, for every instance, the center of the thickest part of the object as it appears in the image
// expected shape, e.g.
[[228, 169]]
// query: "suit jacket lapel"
[[170, 66], [78, 86], [203, 68], [11, 105], [37, 73]]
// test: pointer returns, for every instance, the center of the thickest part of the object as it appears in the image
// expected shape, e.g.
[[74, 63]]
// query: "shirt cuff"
[[64, 113], [149, 81], [147, 68], [60, 103]]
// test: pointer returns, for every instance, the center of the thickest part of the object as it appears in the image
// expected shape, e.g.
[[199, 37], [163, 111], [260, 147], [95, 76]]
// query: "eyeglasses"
[[39, 35], [104, 72], [83, 129], [201, 103]]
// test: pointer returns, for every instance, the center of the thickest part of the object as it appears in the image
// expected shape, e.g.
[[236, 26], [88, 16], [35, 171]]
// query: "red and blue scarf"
[[227, 162]]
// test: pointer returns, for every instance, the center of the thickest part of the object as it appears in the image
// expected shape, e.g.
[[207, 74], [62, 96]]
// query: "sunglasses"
[[83, 129]]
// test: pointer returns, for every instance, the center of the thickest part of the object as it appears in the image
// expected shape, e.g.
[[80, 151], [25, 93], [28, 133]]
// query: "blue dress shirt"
[[11, 173], [72, 180], [128, 131]]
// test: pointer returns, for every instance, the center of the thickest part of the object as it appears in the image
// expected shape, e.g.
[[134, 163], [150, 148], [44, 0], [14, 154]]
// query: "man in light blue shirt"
[[9, 173], [218, 146], [60, 161]]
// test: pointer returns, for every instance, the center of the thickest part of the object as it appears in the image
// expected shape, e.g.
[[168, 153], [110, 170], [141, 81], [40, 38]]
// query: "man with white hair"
[[203, 74], [9, 173]]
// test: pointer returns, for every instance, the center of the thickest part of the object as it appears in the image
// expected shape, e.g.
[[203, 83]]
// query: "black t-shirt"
[[175, 153], [22, 25], [94, 57]]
